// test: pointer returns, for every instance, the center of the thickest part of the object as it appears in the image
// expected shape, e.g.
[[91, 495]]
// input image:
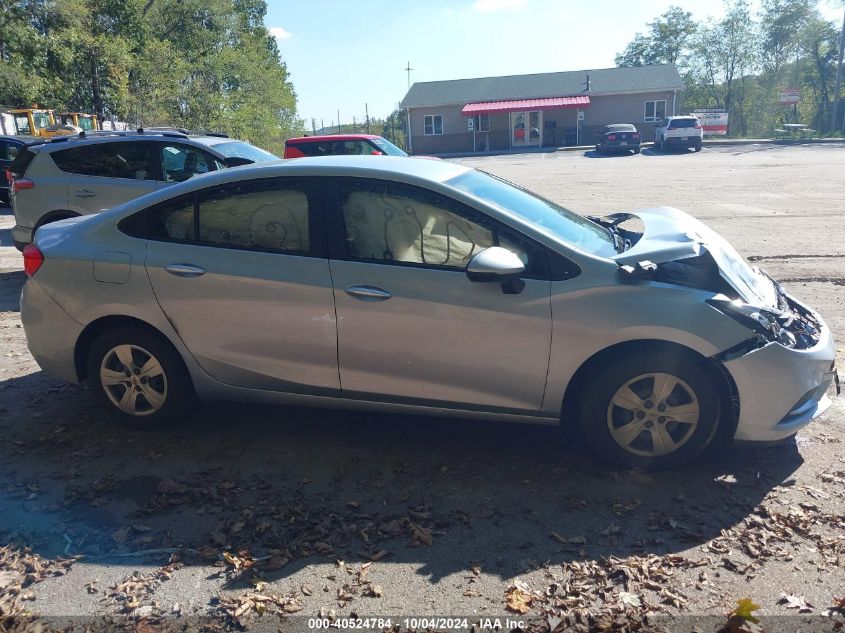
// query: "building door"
[[526, 129]]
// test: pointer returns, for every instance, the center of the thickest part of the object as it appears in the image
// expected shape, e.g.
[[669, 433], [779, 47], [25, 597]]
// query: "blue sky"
[[342, 54]]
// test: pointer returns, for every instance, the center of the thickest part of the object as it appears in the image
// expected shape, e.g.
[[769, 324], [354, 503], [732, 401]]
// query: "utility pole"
[[313, 126], [367, 112], [837, 84], [408, 69], [338, 121]]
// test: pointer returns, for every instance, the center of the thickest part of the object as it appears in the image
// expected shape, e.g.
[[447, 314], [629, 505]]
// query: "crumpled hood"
[[670, 235]]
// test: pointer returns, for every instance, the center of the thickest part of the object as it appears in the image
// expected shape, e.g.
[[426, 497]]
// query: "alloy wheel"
[[133, 380], [653, 414]]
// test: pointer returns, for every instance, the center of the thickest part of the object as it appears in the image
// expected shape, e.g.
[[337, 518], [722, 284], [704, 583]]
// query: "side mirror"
[[499, 265], [236, 161]]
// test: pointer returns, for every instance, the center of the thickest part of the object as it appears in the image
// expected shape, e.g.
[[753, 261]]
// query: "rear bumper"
[[782, 390], [677, 141], [51, 334], [617, 146]]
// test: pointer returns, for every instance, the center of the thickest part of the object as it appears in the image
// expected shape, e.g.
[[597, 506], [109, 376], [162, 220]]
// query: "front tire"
[[138, 378], [650, 410]]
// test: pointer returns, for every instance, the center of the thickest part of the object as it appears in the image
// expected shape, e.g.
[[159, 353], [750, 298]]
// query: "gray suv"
[[66, 176]]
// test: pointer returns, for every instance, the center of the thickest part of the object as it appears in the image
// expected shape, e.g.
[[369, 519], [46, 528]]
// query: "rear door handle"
[[185, 270], [84, 193], [368, 293]]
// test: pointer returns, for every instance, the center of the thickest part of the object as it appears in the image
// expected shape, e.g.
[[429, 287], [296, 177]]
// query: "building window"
[[654, 111], [433, 124], [482, 123]]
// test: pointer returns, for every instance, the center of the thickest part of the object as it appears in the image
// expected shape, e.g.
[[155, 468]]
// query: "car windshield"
[[544, 214], [620, 128], [387, 147], [239, 149]]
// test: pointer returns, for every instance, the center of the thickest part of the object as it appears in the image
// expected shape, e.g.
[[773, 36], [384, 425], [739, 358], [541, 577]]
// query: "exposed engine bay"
[[785, 321]]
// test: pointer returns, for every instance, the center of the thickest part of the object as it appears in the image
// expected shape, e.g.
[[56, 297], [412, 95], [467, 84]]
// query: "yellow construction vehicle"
[[87, 122], [32, 121], [68, 123]]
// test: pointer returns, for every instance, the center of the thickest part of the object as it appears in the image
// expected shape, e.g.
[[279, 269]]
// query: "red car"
[[333, 144]]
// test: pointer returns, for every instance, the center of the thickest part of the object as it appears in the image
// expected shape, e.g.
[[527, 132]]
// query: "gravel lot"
[[283, 510]]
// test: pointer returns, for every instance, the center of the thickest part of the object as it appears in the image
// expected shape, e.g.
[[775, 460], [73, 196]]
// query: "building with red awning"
[[537, 111]]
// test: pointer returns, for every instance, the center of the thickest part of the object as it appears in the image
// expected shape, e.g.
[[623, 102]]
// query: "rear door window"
[[179, 162], [263, 214], [108, 160]]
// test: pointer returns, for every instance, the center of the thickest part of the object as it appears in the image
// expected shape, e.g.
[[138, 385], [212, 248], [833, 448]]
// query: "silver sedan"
[[422, 286]]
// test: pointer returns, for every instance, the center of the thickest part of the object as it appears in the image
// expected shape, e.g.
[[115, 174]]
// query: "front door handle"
[[185, 270], [368, 293], [84, 193]]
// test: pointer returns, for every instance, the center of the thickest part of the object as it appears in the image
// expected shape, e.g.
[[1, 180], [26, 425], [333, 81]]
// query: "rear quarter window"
[[22, 160]]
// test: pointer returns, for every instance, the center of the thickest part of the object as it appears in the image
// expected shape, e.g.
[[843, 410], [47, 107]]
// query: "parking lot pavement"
[[284, 509], [10, 258]]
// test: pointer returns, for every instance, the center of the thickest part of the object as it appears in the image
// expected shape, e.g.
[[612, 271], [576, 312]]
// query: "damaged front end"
[[782, 372], [675, 248]]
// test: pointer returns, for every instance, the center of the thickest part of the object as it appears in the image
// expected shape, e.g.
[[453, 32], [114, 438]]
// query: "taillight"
[[635, 136], [9, 175], [671, 127], [32, 259], [375, 152], [611, 137], [21, 184], [696, 127]]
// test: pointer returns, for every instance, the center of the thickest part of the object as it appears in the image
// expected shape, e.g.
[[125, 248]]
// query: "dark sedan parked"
[[618, 137], [9, 148]]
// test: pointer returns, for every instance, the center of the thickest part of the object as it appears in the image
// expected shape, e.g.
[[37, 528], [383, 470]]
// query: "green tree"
[[724, 54], [666, 43]]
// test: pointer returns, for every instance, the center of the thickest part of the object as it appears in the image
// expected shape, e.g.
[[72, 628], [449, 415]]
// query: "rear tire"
[[651, 410], [636, 150], [697, 147], [138, 378]]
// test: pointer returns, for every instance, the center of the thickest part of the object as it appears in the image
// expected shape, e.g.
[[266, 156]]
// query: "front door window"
[[525, 128]]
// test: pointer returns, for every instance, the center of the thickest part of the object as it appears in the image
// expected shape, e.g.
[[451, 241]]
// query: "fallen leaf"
[[795, 602], [745, 608], [629, 599], [518, 599]]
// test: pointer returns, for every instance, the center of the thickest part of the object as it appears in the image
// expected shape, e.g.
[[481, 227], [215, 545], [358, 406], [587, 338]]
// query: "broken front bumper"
[[780, 389]]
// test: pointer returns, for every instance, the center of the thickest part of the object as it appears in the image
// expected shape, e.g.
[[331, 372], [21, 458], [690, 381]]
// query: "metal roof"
[[603, 81]]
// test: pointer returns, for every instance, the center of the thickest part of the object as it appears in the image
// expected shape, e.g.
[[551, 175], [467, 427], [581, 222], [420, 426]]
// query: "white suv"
[[67, 176], [678, 131]]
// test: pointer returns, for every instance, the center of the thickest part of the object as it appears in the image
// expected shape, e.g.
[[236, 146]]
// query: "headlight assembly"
[[762, 321]]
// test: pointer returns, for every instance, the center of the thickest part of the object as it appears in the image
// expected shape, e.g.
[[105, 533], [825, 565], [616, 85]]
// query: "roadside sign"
[[471, 124], [714, 121], [788, 96]]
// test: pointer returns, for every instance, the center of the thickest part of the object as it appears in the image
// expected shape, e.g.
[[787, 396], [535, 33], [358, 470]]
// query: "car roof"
[[332, 137], [682, 116], [60, 142]]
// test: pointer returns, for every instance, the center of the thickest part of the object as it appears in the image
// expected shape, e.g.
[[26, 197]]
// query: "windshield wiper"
[[620, 244]]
